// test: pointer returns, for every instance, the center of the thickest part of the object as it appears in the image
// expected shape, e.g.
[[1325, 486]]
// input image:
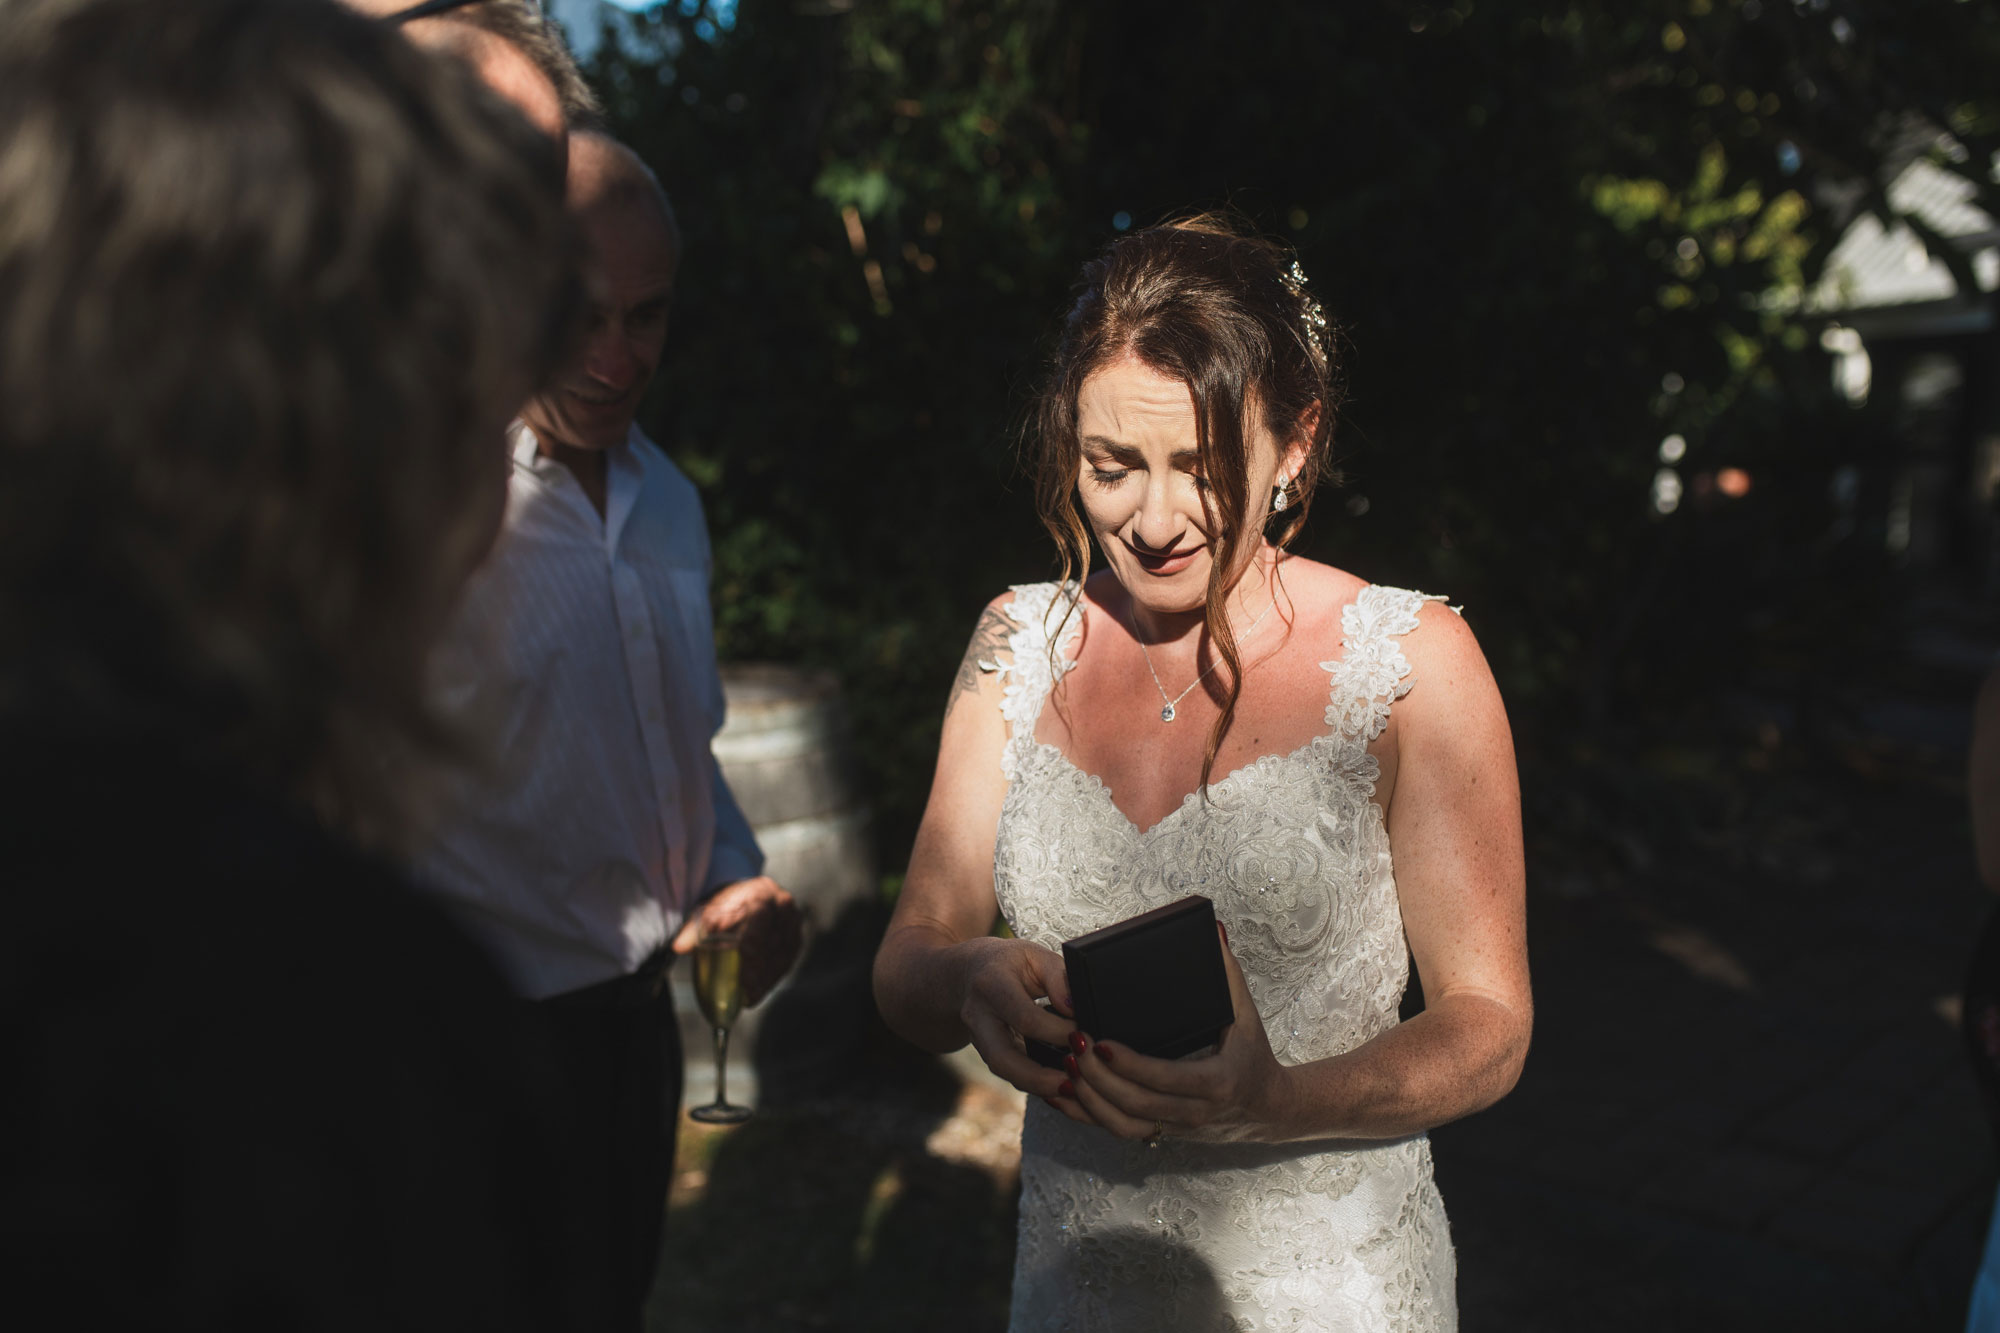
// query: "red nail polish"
[[1078, 1042], [1068, 1089], [1104, 1052], [1050, 1102], [1069, 1063]]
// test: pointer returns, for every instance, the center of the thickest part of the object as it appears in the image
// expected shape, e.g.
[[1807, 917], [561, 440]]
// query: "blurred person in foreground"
[[604, 839], [1370, 812], [271, 280], [513, 49]]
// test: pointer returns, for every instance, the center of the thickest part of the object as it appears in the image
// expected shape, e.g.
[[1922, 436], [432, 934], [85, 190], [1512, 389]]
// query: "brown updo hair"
[[1228, 313]]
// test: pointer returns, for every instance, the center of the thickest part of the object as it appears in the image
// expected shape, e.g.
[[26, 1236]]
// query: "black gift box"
[[1154, 982]]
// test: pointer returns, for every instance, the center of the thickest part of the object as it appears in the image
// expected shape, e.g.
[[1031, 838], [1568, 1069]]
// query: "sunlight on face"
[[593, 400], [1140, 489]]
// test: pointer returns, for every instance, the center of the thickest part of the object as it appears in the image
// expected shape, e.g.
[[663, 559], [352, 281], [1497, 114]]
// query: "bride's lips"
[[1172, 562]]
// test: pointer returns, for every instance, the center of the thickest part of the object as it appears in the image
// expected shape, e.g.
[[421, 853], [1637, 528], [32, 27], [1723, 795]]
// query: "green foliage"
[[1556, 232]]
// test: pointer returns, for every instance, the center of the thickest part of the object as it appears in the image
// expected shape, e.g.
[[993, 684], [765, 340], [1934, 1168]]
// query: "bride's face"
[[1141, 488]]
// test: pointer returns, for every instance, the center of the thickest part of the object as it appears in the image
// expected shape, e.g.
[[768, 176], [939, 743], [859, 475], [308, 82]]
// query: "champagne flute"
[[718, 989]]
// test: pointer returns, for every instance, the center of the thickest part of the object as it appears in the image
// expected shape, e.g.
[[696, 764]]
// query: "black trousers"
[[619, 1049]]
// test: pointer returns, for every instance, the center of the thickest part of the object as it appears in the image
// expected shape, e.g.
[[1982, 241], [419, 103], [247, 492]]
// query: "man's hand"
[[769, 920]]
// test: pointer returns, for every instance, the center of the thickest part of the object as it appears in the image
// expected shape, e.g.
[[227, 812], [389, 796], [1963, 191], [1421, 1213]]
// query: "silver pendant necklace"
[[1172, 705]]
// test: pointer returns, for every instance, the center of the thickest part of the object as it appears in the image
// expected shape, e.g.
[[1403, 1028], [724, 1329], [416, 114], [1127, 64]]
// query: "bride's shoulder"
[[988, 655], [1027, 613], [1011, 638], [1038, 609], [1316, 584], [1432, 635], [1443, 658], [1383, 607], [1323, 595]]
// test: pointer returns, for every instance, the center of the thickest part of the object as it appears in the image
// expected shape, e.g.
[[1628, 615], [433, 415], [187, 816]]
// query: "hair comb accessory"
[[1311, 313]]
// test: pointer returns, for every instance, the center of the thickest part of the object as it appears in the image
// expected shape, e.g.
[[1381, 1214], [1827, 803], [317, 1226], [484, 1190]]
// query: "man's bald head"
[[635, 252], [607, 177]]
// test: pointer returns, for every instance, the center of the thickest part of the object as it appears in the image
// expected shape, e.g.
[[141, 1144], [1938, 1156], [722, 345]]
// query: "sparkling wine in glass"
[[718, 989]]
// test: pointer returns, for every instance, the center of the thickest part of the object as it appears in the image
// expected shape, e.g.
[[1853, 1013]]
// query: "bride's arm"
[[1454, 820], [941, 978], [1455, 837]]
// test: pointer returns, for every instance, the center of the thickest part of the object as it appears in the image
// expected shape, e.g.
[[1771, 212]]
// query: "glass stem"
[[721, 1066]]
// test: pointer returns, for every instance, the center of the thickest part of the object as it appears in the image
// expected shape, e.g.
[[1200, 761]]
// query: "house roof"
[[1877, 268]]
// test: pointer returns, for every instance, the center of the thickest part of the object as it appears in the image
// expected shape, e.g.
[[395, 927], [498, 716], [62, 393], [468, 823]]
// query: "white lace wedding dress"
[[1336, 1235]]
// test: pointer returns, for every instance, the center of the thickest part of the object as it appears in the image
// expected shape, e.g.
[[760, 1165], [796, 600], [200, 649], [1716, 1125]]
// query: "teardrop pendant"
[[1167, 713]]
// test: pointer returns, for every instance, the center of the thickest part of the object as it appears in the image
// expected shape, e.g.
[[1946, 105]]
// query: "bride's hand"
[[1229, 1096], [1002, 981]]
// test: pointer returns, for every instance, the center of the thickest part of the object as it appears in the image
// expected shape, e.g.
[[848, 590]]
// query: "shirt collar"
[[624, 474], [525, 448]]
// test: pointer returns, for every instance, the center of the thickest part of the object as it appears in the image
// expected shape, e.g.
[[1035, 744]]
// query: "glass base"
[[720, 1113]]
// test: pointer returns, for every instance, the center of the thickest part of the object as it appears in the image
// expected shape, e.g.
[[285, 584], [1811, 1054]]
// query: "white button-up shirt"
[[586, 649]]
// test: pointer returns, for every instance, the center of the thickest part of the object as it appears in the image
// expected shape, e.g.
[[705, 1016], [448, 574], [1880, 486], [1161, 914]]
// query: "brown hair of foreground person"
[[517, 23], [272, 281]]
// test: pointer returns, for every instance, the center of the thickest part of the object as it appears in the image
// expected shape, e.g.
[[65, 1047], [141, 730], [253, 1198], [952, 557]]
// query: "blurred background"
[[1673, 358]]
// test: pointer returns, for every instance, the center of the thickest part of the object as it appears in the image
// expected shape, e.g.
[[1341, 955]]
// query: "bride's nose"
[[1159, 524]]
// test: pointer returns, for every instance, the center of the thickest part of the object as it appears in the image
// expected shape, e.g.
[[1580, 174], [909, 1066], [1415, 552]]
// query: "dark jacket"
[[253, 1080]]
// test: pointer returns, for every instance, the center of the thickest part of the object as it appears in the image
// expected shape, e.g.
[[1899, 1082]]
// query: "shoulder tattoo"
[[989, 639]]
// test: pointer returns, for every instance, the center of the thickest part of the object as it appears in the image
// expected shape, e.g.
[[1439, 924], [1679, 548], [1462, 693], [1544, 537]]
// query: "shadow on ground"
[[839, 1207], [1747, 1106]]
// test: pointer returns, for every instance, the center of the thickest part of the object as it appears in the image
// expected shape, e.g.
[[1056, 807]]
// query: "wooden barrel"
[[785, 752]]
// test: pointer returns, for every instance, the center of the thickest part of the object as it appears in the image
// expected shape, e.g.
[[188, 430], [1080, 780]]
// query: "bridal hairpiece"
[[1311, 314]]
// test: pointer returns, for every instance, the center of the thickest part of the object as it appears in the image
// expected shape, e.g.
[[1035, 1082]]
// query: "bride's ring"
[[1152, 1140]]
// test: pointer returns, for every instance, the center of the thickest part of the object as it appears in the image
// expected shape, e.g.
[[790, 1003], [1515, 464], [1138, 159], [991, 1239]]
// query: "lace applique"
[[1413, 1257], [1310, 1272], [1038, 609], [1293, 852], [1372, 672]]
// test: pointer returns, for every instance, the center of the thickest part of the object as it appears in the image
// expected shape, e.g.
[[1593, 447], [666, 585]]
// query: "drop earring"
[[1283, 497]]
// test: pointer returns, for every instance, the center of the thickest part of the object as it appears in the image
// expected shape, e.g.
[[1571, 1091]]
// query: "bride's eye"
[[1109, 476]]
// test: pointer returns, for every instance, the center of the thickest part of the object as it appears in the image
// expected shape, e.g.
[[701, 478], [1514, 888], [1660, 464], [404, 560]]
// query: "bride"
[[1326, 759]]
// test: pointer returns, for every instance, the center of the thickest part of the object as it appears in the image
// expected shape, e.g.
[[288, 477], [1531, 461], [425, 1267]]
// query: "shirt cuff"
[[728, 864]]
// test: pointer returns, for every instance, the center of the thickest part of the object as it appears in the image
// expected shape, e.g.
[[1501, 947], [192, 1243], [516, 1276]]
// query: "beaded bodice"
[[1293, 851]]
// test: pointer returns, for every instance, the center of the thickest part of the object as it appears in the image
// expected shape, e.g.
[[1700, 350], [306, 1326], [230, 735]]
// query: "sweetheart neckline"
[[1194, 796]]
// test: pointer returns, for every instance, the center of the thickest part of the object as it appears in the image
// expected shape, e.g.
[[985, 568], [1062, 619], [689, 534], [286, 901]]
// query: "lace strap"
[[1038, 610], [1372, 672]]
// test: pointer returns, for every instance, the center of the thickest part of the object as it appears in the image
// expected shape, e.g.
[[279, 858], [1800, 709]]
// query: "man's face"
[[591, 403]]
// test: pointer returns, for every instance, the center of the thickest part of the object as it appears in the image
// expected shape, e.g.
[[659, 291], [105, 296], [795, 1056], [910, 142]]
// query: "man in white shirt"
[[604, 840]]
